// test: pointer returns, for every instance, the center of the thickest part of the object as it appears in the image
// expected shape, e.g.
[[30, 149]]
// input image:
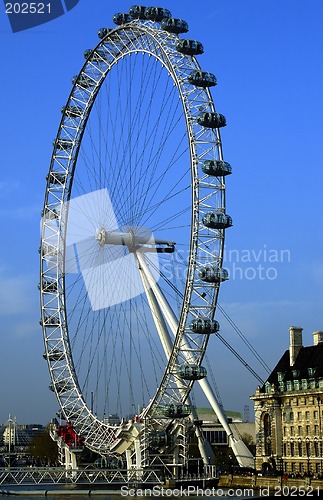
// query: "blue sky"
[[267, 56]]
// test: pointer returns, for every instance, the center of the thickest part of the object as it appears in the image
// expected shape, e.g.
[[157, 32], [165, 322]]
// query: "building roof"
[[208, 413], [308, 364]]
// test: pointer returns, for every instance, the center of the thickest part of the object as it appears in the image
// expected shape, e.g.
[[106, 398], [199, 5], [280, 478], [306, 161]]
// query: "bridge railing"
[[60, 475]]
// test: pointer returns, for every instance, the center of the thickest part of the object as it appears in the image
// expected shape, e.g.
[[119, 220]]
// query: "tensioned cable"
[[239, 332], [236, 354], [240, 358], [245, 340]]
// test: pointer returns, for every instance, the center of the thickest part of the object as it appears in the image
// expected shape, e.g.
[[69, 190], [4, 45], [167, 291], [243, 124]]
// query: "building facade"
[[13, 434], [289, 410]]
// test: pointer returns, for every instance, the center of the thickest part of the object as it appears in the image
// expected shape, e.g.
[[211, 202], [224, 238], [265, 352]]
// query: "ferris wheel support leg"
[[242, 453], [128, 460], [134, 462], [239, 448], [156, 312], [138, 460], [70, 462], [205, 448]]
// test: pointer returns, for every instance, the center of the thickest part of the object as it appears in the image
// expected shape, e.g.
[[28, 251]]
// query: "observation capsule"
[[83, 80], [173, 25], [121, 18], [72, 111], [49, 286], [192, 372], [137, 12], [103, 32], [211, 120], [51, 321], [157, 13], [63, 144], [177, 411], [204, 326], [217, 220], [202, 78], [49, 250], [211, 274], [61, 387], [87, 53], [50, 214], [216, 168], [189, 47], [54, 355], [94, 55], [56, 178]]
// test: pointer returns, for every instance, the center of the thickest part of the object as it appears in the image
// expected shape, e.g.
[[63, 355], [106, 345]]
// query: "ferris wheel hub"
[[132, 240], [100, 236]]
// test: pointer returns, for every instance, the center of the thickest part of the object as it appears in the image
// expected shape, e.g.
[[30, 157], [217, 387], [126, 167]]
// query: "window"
[[300, 430], [316, 414], [292, 430], [308, 448], [216, 437], [307, 415], [288, 416], [308, 430], [300, 448], [316, 429], [292, 449], [299, 415], [267, 386]]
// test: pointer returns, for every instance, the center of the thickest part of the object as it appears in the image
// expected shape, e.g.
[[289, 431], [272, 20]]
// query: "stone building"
[[19, 435], [289, 410]]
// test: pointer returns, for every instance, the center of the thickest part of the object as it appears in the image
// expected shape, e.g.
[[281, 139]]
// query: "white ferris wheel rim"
[[206, 244]]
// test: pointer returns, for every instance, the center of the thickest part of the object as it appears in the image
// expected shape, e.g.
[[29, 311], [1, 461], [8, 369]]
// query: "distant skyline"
[[267, 59]]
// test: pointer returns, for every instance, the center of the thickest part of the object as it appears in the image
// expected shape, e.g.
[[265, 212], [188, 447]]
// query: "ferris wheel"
[[133, 233]]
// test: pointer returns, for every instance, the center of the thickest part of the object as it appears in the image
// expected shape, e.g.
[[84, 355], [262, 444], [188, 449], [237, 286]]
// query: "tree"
[[249, 442], [43, 449]]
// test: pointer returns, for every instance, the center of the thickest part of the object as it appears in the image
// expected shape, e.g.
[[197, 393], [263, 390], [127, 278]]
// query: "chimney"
[[317, 338], [295, 343]]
